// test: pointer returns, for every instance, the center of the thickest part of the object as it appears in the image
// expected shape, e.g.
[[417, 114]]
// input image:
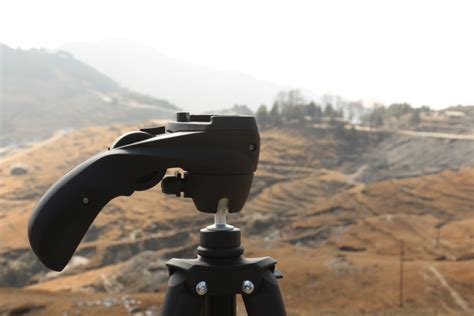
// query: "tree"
[[281, 99], [375, 117], [329, 111], [399, 109], [262, 116], [274, 116], [289, 99], [425, 109], [295, 98], [313, 111], [240, 110], [415, 118]]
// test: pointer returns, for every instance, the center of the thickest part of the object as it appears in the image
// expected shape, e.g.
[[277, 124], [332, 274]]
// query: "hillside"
[[191, 86], [43, 92], [332, 208]]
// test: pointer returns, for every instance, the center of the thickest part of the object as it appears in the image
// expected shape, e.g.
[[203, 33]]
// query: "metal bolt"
[[252, 147], [201, 288], [85, 200], [248, 287]]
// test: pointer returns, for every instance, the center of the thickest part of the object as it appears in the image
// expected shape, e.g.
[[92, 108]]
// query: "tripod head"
[[218, 153]]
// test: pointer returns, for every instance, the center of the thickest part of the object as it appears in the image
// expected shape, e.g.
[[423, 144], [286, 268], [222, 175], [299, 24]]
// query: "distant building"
[[454, 113]]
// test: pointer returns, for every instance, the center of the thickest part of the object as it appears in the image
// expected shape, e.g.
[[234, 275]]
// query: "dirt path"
[[455, 295], [14, 154], [416, 133]]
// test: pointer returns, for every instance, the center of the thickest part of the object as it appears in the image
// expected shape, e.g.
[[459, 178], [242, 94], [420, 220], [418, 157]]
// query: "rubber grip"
[[66, 211]]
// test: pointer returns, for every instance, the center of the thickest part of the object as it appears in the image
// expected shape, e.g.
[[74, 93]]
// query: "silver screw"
[[248, 287], [252, 147], [201, 288], [85, 200]]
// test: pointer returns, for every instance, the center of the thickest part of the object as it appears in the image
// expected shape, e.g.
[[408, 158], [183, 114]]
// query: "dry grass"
[[299, 212]]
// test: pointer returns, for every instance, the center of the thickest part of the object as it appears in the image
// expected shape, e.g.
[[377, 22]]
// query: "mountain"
[[332, 206], [44, 91], [193, 87]]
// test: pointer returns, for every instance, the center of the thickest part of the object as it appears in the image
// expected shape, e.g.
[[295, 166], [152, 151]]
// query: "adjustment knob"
[[183, 117], [174, 184], [144, 181]]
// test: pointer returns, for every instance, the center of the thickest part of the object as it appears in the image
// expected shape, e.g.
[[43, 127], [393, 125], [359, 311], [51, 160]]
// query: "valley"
[[335, 210]]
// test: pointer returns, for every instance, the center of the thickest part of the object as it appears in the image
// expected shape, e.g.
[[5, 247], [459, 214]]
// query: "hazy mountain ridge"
[[191, 86], [44, 91]]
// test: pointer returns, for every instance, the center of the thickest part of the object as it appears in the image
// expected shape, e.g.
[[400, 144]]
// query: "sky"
[[417, 51]]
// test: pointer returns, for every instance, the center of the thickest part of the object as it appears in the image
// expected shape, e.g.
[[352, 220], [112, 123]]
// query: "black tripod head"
[[219, 155]]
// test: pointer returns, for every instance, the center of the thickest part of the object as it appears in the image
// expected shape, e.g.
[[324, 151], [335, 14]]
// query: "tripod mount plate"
[[222, 276], [209, 284]]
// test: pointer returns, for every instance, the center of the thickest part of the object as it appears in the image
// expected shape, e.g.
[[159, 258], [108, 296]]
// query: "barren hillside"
[[43, 92], [333, 208]]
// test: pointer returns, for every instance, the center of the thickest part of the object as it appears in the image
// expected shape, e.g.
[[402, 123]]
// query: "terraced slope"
[[332, 207]]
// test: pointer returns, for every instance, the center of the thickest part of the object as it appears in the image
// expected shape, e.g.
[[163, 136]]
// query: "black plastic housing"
[[219, 153]]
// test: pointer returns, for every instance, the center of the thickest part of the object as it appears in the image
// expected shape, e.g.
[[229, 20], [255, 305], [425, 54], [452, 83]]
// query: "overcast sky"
[[417, 51]]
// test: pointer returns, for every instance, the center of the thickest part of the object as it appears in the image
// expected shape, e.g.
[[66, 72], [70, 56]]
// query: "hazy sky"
[[417, 51]]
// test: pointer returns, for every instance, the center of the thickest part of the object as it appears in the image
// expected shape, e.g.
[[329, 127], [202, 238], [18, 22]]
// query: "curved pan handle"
[[66, 211]]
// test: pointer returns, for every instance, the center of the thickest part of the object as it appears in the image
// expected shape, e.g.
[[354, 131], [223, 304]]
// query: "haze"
[[391, 51]]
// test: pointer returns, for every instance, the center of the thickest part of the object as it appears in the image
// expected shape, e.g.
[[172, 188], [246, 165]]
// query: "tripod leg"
[[220, 306], [179, 301], [266, 300]]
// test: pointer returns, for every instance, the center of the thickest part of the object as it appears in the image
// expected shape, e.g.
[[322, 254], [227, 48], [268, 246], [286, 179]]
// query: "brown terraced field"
[[333, 207]]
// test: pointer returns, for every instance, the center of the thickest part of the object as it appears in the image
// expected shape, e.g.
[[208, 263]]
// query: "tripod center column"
[[220, 240]]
